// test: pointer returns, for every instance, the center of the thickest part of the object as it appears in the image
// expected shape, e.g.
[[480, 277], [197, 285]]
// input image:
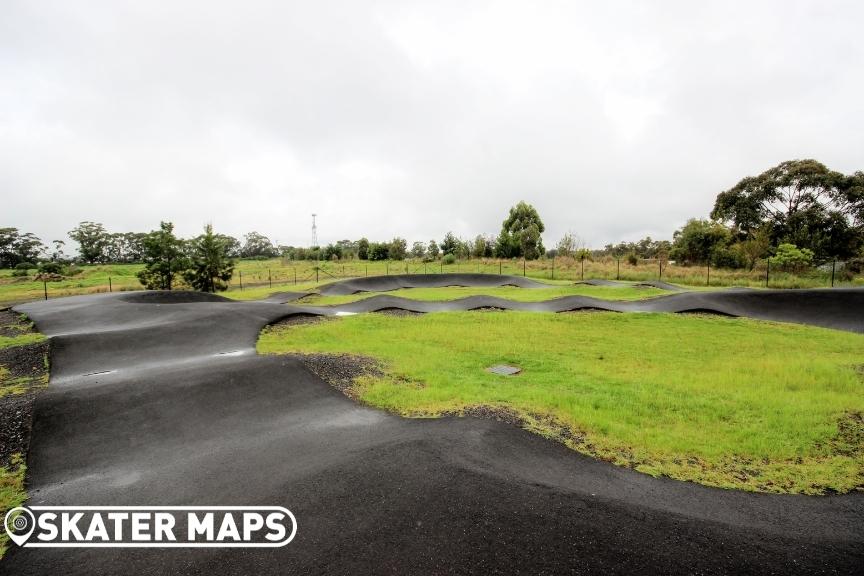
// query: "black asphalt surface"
[[160, 403], [398, 281]]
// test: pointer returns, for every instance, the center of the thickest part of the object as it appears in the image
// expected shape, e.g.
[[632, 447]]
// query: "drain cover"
[[504, 370]]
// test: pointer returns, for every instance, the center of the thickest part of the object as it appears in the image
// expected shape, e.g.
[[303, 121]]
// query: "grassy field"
[[288, 275], [13, 332], [733, 403]]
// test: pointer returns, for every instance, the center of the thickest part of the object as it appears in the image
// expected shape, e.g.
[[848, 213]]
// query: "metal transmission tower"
[[314, 232]]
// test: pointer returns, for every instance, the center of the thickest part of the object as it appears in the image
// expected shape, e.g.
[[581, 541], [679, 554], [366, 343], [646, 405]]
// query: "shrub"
[[51, 268], [790, 258], [449, 259], [723, 257], [22, 269], [632, 259]]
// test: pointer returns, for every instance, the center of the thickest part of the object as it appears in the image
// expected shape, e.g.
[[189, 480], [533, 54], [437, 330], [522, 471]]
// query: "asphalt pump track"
[[160, 399]]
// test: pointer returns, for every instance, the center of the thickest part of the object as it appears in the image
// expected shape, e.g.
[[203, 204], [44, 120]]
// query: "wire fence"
[[285, 274]]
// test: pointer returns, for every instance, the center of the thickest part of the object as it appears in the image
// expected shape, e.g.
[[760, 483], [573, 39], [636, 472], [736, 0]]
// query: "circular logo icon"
[[19, 523]]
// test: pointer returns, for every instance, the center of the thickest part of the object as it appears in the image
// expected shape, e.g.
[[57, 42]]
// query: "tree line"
[[795, 214]]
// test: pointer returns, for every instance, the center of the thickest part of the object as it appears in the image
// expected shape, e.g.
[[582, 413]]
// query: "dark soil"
[[397, 312], [340, 370], [26, 365], [300, 319], [13, 324]]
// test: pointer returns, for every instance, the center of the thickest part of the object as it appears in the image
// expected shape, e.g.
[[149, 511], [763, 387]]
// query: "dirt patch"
[[488, 309], [849, 440], [341, 370], [301, 319], [13, 324], [540, 423], [397, 312], [25, 372], [308, 298], [585, 310]]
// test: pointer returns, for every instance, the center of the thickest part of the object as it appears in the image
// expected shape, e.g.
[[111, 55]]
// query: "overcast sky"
[[615, 119]]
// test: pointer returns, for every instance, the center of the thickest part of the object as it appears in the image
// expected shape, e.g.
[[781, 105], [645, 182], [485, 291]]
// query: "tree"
[[569, 245], [332, 252], [802, 201], [524, 225], [450, 244], [363, 249], [506, 246], [57, 255], [755, 247], [93, 241], [482, 247], [257, 245], [379, 251], [210, 268], [418, 250], [348, 249], [696, 241], [17, 247], [233, 248], [163, 258], [398, 248], [432, 250]]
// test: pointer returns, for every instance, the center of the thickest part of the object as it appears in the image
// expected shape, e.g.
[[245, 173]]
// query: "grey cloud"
[[398, 118]]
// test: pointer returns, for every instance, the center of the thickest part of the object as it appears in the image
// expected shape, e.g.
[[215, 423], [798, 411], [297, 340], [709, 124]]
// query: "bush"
[[855, 265], [632, 259], [449, 259], [727, 258], [22, 269], [51, 268], [790, 258]]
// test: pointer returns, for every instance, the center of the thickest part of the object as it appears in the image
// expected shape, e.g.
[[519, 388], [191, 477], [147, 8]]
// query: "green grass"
[[289, 275], [508, 292], [733, 403], [12, 492]]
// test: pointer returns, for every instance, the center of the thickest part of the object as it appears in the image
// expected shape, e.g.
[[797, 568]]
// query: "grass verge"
[[732, 403], [23, 371]]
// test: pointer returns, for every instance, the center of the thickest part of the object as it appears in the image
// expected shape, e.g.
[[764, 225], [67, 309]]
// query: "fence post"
[[708, 281], [270, 277], [424, 267], [241, 280], [660, 266], [367, 270], [45, 288], [833, 266], [767, 270], [295, 275], [524, 267], [387, 264], [442, 265], [499, 268], [316, 274], [553, 267], [111, 288], [618, 269]]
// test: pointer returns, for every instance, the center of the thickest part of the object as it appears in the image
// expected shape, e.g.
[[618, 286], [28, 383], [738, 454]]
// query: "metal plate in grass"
[[504, 370]]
